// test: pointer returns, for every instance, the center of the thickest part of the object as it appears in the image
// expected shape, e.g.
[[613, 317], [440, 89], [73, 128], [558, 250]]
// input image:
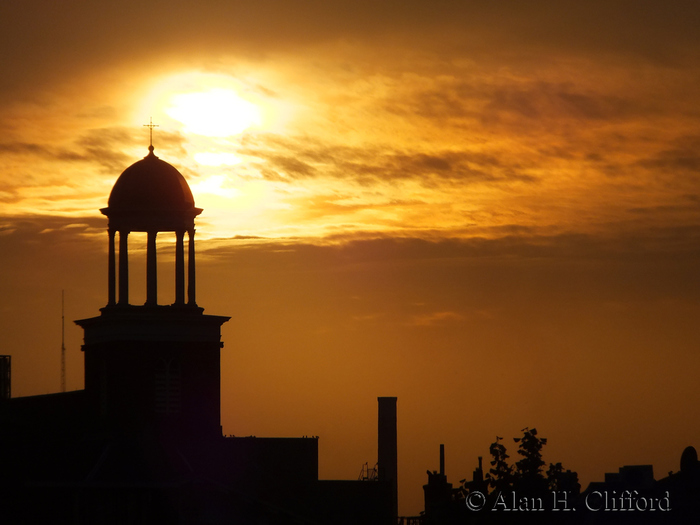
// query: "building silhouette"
[[142, 442]]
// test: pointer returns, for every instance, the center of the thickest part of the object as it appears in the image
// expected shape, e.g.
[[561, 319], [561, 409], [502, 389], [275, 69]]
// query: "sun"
[[214, 105], [216, 112], [206, 123]]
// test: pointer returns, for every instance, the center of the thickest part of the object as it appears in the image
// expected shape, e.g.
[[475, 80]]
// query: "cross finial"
[[150, 125]]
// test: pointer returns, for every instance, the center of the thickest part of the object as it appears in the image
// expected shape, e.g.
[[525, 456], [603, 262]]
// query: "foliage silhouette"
[[528, 471], [500, 476], [527, 475]]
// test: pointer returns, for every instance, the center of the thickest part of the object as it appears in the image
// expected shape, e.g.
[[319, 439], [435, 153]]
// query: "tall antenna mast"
[[63, 343]]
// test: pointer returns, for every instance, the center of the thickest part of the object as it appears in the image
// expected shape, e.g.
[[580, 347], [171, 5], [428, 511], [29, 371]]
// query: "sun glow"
[[204, 120], [213, 105], [213, 186], [214, 113], [215, 159]]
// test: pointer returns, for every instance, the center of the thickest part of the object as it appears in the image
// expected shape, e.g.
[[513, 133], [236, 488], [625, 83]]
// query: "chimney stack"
[[442, 459], [387, 456]]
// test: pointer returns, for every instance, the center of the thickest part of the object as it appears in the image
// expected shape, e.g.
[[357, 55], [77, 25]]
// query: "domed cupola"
[[151, 185], [151, 196]]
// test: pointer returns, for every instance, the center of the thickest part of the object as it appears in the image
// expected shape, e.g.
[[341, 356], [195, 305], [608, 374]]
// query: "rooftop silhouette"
[[143, 442]]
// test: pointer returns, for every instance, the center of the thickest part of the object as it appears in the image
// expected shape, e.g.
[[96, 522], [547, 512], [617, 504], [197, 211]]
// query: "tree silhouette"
[[528, 471], [500, 476], [527, 475]]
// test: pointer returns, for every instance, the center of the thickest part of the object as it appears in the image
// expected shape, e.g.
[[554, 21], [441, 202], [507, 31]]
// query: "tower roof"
[[151, 195], [150, 185]]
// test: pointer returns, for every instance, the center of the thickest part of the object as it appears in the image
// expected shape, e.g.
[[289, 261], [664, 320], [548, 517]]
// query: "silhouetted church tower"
[[153, 368], [142, 442]]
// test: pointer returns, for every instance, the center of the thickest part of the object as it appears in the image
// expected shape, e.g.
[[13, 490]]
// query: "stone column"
[[180, 267], [111, 271], [151, 270], [123, 268], [190, 270]]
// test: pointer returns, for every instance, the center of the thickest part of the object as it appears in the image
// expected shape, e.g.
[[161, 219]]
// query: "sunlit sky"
[[489, 209]]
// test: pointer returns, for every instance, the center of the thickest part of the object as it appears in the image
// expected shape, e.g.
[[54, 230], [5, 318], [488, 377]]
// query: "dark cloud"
[[105, 147], [509, 243], [100, 147], [32, 228], [24, 148], [297, 158], [682, 158], [480, 103], [545, 102], [291, 166], [463, 167], [96, 150]]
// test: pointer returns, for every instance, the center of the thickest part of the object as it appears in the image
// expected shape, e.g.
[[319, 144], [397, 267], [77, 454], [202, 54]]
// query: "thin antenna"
[[150, 125], [63, 343]]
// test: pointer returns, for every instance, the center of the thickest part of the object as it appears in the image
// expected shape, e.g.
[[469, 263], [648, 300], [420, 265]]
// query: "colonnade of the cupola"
[[119, 268]]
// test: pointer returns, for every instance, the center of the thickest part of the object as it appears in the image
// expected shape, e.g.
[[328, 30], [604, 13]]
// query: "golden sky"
[[488, 209]]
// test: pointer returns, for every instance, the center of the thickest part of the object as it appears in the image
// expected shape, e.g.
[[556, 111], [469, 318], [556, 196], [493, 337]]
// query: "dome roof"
[[150, 185]]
